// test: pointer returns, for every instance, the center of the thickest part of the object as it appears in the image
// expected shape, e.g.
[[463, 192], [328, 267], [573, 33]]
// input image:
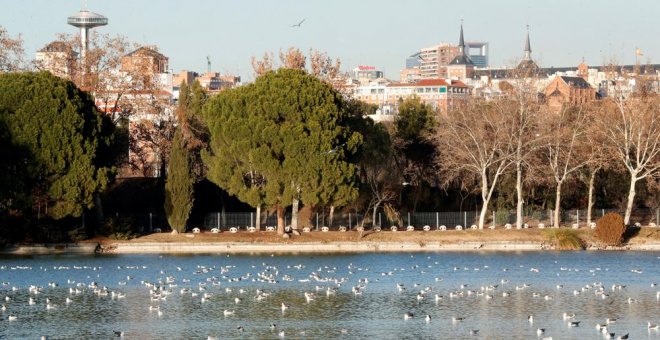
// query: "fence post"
[[317, 221], [577, 216], [551, 217], [465, 220], [409, 218], [151, 225], [437, 220], [602, 212], [251, 215], [349, 221], [379, 220], [217, 220], [493, 222], [657, 217]]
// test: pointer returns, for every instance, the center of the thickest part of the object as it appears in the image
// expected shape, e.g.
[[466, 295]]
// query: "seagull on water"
[[407, 316], [540, 331], [652, 326]]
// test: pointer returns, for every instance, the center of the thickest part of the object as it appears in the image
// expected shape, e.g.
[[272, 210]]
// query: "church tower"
[[527, 65], [461, 66]]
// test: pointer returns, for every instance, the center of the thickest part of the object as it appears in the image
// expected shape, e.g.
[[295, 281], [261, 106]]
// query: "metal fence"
[[418, 220]]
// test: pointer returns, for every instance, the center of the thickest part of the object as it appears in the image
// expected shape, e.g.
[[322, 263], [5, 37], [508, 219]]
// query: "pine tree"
[[179, 185], [281, 139], [61, 144]]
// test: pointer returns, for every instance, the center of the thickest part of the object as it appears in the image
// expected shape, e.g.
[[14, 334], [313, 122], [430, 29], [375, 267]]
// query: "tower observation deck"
[[86, 20]]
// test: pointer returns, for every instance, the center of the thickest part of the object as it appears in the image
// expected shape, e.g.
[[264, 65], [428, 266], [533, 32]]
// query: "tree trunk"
[[557, 204], [331, 215], [631, 199], [485, 197], [482, 215], [294, 214], [257, 219], [519, 206], [590, 204], [373, 215], [280, 219], [98, 205]]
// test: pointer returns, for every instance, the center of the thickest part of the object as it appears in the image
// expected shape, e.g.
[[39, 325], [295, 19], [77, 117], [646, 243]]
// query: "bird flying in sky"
[[298, 24]]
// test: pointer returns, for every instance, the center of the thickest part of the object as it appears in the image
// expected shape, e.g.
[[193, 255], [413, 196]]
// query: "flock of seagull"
[[204, 283]]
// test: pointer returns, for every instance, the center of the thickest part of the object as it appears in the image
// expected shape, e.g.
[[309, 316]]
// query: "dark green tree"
[[283, 138], [59, 142], [189, 117], [179, 185], [413, 149]]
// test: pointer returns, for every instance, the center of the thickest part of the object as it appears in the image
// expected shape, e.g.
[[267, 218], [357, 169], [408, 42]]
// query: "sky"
[[380, 33]]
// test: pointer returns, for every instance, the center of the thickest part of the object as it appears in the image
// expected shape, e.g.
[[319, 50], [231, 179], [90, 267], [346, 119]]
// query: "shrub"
[[119, 228], [77, 234], [502, 217], [610, 229], [565, 239]]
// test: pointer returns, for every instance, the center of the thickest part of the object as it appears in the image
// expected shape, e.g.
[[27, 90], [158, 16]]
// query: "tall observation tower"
[[86, 20]]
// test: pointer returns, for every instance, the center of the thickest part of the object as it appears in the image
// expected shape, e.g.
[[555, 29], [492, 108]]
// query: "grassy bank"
[[643, 235]]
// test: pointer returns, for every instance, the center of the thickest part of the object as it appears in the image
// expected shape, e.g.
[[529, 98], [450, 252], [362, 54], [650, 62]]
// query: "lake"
[[356, 296]]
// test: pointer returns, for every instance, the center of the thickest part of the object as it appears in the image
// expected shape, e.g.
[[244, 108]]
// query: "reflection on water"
[[348, 296]]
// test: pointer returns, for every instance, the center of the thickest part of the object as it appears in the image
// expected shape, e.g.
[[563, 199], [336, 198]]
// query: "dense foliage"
[[58, 146], [179, 185], [282, 138], [610, 229]]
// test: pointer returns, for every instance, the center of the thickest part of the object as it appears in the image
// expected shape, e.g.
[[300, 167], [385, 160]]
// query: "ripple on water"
[[376, 311]]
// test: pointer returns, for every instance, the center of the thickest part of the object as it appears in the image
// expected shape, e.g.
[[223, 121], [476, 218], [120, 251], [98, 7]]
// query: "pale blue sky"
[[360, 32]]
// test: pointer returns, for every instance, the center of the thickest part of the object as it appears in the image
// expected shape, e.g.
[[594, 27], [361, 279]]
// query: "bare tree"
[[597, 161], [630, 128], [475, 141], [320, 65], [11, 52], [263, 65], [564, 149], [293, 58], [125, 80], [521, 102]]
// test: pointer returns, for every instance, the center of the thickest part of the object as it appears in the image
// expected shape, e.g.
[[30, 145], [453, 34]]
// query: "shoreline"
[[120, 248]]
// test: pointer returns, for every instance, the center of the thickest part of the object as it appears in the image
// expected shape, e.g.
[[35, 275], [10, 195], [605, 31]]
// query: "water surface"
[[369, 295]]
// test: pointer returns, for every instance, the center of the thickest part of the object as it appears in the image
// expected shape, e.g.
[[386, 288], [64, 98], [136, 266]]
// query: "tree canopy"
[[60, 145], [284, 137]]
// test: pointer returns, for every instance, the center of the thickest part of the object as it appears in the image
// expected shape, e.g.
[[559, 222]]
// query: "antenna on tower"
[[208, 64]]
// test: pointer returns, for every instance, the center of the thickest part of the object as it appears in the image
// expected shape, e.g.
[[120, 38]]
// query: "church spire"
[[528, 48], [461, 41]]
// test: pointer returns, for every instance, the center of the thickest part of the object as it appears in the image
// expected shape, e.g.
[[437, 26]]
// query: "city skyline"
[[364, 33]]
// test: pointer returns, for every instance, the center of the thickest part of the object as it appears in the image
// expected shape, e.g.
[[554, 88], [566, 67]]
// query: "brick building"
[[57, 58], [564, 90]]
